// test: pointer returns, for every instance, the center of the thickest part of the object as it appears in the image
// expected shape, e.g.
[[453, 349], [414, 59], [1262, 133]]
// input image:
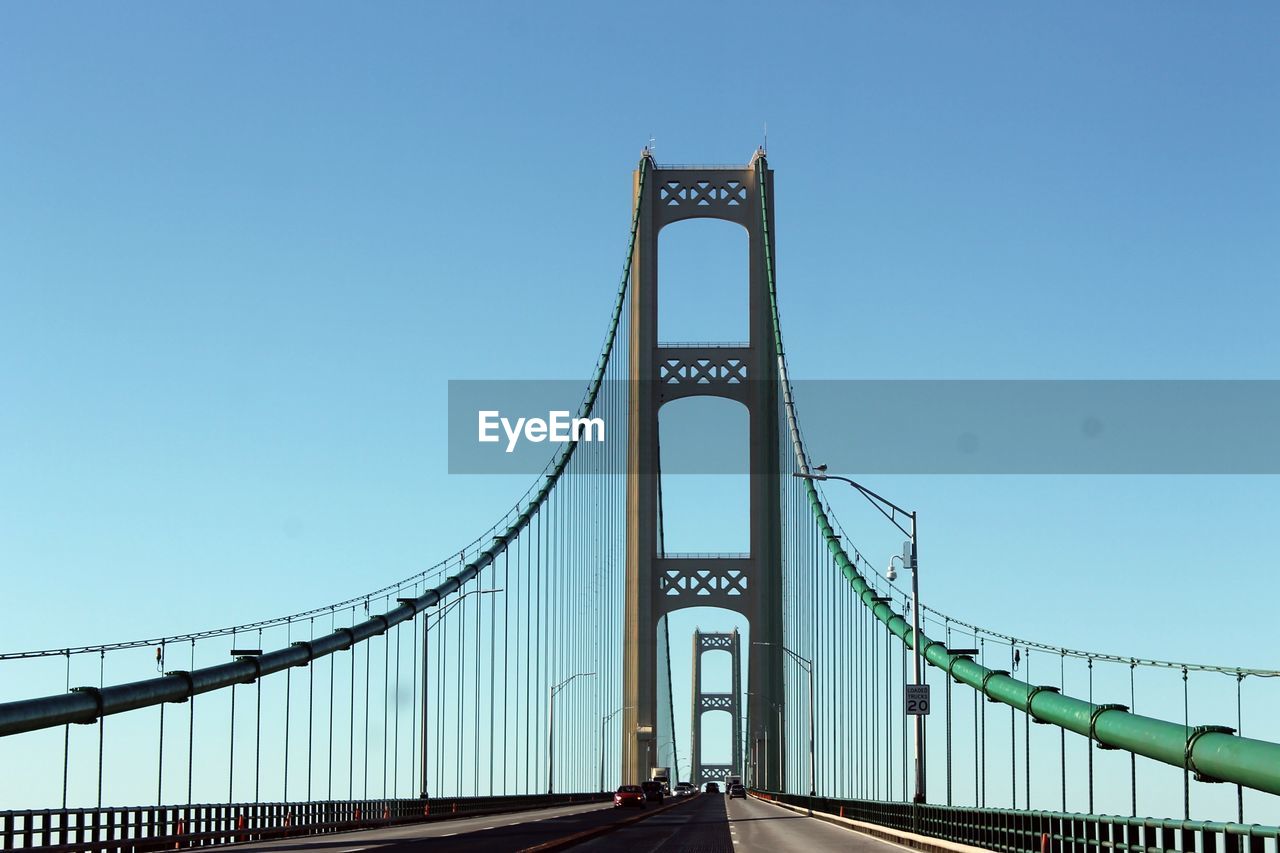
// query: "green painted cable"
[[1210, 751]]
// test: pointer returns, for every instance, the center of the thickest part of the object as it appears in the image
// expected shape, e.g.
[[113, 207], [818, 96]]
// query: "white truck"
[[662, 775], [730, 781]]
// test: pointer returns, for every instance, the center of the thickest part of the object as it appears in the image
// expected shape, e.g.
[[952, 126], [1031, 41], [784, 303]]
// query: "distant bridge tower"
[[704, 702], [657, 584]]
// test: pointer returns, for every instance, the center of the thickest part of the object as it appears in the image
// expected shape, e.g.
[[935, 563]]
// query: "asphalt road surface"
[[711, 823], [484, 834], [716, 824]]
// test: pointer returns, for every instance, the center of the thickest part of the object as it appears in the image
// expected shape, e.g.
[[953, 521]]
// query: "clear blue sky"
[[244, 247]]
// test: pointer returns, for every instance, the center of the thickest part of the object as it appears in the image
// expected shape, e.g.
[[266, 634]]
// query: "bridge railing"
[[126, 829], [1044, 831]]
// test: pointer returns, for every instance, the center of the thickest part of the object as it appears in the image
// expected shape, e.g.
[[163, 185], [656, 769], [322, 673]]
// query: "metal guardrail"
[[144, 828], [707, 167], [703, 345], [702, 555], [1046, 832]]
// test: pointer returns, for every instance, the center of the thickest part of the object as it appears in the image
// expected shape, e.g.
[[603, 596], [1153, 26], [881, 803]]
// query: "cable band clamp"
[[1093, 722], [191, 684], [311, 651], [991, 673], [1189, 758], [97, 703], [1035, 691]]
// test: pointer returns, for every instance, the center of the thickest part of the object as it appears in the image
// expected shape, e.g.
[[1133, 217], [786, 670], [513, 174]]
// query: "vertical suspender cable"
[[311, 705], [288, 700], [475, 736], [1091, 739], [1026, 736], [191, 731], [332, 668], [527, 599], [257, 731], [66, 734], [442, 628], [351, 717], [888, 714], [948, 712], [1062, 733], [231, 739], [415, 729], [1133, 756], [982, 656], [386, 700], [460, 698], [506, 631], [539, 676], [102, 667], [160, 753], [1239, 731], [1186, 768], [493, 660], [394, 697], [1013, 741]]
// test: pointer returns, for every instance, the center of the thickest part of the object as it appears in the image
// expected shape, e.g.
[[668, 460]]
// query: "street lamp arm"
[[803, 661], [876, 500], [443, 611], [563, 684]]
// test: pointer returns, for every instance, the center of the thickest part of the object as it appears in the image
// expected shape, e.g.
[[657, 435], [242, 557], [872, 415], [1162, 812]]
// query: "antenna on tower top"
[[765, 147]]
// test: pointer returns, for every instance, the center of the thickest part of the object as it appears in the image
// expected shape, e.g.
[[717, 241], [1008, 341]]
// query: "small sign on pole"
[[915, 699]]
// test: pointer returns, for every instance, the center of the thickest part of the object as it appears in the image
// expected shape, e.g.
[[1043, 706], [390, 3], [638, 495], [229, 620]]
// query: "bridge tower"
[[704, 701], [657, 583]]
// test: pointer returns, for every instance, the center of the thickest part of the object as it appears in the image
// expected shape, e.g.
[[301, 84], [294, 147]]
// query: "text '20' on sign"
[[915, 699]]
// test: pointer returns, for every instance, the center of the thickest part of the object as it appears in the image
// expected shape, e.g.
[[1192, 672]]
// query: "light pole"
[[909, 560], [777, 707], [551, 727], [426, 628], [604, 721], [807, 665]]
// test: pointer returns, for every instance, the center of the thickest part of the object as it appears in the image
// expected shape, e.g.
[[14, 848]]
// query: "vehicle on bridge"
[[628, 795], [712, 788], [738, 791], [730, 781], [684, 789], [653, 791]]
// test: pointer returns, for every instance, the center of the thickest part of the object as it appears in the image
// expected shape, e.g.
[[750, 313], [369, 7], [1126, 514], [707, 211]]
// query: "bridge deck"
[[496, 832], [711, 824], [716, 824]]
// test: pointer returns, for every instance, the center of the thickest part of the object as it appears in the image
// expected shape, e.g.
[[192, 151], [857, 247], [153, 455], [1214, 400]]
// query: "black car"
[[737, 791], [652, 791], [712, 788]]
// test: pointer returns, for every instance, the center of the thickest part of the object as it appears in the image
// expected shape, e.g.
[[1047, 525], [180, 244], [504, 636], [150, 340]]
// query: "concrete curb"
[[595, 832], [882, 833]]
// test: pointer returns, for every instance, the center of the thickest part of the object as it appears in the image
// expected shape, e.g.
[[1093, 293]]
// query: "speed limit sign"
[[915, 699]]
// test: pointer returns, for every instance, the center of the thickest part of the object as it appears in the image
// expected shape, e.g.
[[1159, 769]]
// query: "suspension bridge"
[[496, 699]]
